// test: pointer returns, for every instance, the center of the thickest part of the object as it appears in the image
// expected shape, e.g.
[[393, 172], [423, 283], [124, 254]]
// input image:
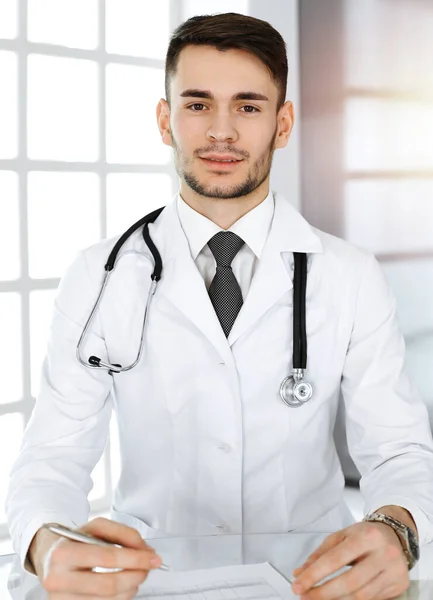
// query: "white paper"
[[260, 581]]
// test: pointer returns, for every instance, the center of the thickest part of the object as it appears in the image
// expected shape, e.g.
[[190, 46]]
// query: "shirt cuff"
[[422, 521], [32, 527]]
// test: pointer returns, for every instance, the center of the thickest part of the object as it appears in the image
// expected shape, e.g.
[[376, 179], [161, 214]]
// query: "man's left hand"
[[373, 550]]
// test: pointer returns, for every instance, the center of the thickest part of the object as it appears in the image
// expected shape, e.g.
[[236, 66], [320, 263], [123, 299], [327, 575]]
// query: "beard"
[[256, 175]]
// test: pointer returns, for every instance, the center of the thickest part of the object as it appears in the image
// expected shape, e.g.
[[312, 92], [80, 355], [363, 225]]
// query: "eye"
[[253, 107], [196, 104]]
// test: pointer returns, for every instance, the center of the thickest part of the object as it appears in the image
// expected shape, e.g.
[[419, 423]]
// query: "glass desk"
[[285, 551]]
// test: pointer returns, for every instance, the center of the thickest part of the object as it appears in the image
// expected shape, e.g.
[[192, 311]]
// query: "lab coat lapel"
[[182, 283], [289, 233]]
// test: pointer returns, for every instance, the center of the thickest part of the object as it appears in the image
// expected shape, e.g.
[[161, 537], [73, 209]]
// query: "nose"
[[222, 128]]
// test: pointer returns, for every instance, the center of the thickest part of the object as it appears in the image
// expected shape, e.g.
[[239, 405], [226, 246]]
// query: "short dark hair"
[[231, 30]]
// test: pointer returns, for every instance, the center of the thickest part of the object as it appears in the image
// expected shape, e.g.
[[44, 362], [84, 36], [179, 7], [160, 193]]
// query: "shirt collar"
[[253, 227]]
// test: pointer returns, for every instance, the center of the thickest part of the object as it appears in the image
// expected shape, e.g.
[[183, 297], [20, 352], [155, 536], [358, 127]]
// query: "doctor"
[[208, 446]]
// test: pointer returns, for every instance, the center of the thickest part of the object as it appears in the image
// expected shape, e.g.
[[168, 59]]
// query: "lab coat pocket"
[[145, 530]]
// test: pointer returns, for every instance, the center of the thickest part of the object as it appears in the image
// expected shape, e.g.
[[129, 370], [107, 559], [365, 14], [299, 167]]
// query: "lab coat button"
[[225, 447]]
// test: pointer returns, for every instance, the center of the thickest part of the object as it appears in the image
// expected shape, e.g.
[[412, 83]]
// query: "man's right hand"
[[64, 566]]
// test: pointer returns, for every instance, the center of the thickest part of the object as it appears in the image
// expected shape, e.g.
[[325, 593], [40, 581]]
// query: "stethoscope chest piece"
[[294, 391]]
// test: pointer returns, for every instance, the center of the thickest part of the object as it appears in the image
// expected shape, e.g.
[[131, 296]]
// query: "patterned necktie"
[[224, 291]]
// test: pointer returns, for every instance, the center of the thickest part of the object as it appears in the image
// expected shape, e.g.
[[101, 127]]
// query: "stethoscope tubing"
[[290, 387], [95, 362], [299, 301]]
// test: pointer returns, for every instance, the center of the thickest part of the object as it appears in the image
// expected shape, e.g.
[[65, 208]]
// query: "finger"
[[347, 552], [75, 555], [350, 581], [329, 542], [124, 596], [46, 565], [84, 583], [67, 596], [379, 588], [115, 532], [393, 591]]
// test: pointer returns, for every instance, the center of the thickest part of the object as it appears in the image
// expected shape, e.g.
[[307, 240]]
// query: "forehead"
[[228, 71]]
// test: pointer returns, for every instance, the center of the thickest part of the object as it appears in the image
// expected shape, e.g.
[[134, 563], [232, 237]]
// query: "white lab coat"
[[207, 445]]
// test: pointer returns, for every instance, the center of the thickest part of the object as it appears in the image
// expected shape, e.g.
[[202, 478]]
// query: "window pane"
[[9, 228], [388, 135], [8, 19], [11, 433], [390, 216], [10, 348], [62, 108], [8, 105], [130, 196], [198, 7], [133, 28], [412, 284], [71, 23], [389, 44], [41, 310], [132, 130], [63, 212]]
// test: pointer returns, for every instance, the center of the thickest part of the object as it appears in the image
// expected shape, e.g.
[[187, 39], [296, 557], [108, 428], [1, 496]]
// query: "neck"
[[224, 211]]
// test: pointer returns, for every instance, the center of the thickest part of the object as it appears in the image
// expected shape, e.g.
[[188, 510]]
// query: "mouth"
[[221, 165]]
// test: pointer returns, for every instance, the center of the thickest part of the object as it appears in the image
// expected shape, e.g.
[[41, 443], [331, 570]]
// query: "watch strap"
[[401, 530]]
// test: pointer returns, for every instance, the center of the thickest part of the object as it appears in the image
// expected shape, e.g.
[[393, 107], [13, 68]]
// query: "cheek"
[[256, 136], [189, 138], [187, 128]]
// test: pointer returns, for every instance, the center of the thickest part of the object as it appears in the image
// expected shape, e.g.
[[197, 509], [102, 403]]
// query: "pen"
[[86, 538]]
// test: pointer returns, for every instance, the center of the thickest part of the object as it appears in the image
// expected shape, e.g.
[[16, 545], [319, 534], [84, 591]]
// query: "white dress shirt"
[[253, 228]]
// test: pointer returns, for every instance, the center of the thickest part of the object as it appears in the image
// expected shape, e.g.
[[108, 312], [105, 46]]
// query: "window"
[[80, 159], [388, 150], [367, 138]]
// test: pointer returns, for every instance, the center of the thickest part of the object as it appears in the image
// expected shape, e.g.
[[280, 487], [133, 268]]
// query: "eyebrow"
[[193, 93]]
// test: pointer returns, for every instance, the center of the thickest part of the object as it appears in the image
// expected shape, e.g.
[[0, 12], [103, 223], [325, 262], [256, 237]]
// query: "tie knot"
[[224, 245]]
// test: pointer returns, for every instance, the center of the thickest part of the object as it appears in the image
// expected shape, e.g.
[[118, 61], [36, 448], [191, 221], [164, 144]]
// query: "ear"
[[286, 119], [163, 121]]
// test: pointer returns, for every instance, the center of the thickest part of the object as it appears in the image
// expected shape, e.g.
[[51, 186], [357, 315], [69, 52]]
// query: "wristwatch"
[[406, 536]]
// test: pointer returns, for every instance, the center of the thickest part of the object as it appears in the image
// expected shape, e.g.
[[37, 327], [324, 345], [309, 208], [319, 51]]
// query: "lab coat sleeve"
[[66, 434], [387, 424]]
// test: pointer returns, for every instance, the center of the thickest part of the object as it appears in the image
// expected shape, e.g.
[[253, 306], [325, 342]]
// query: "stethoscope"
[[294, 390]]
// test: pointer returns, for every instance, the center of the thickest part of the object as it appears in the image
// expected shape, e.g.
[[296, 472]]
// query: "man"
[[207, 444]]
